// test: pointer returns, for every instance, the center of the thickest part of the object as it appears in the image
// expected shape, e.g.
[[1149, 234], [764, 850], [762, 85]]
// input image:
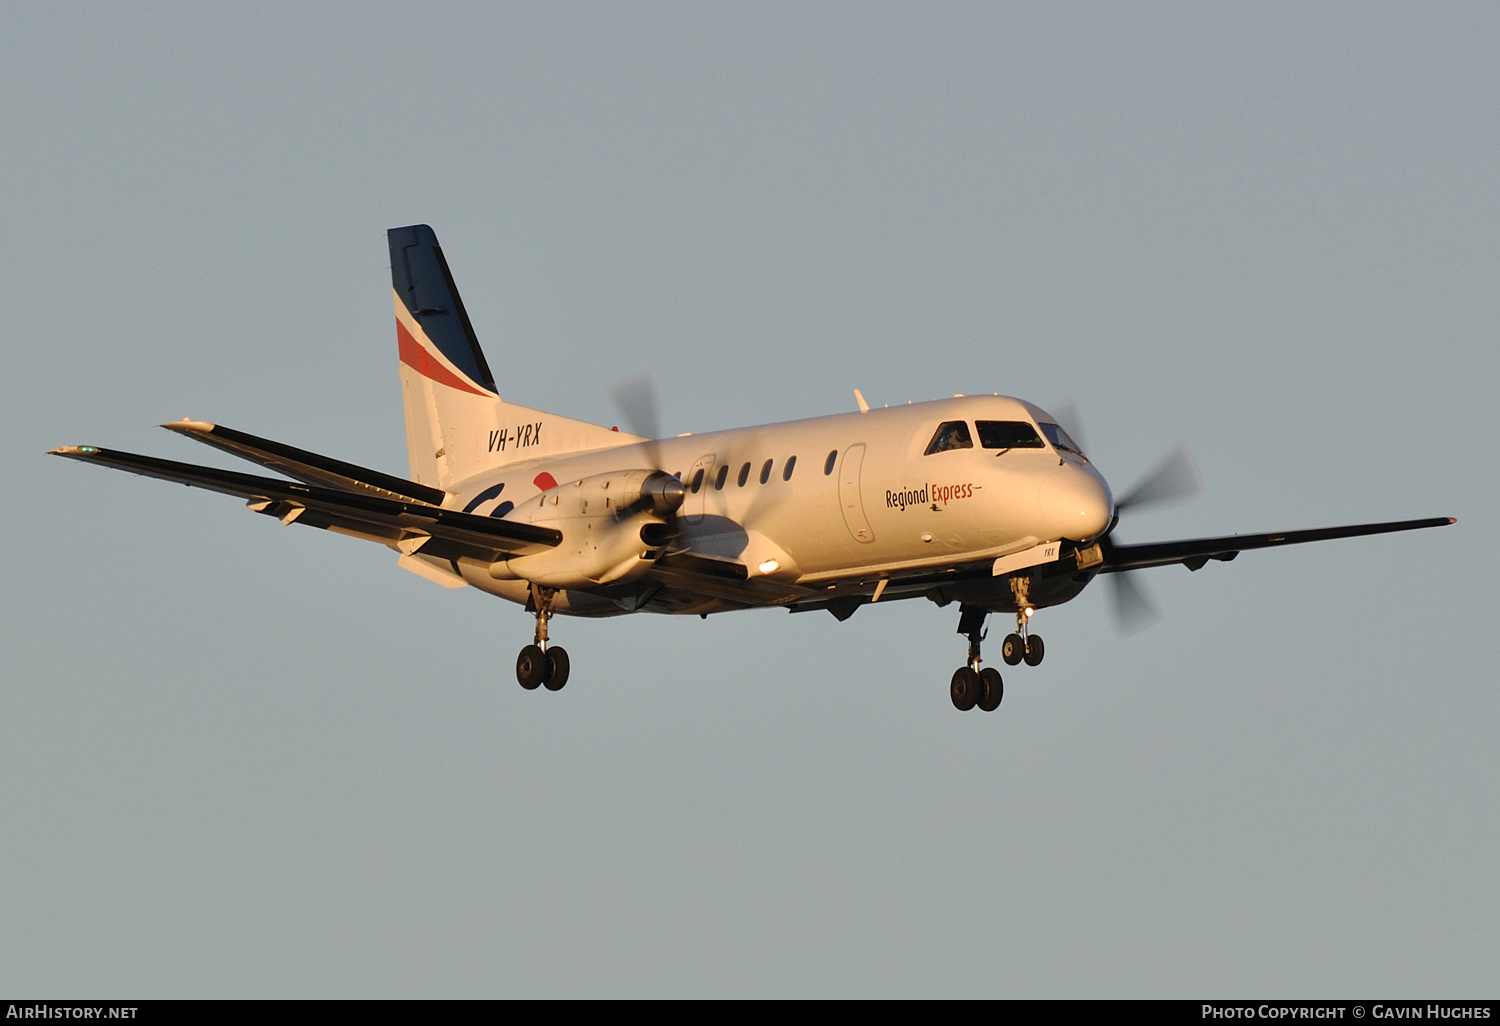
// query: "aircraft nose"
[[1076, 503]]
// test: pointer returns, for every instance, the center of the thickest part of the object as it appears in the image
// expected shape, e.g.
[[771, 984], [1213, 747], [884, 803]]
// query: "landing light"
[[1027, 612], [770, 566]]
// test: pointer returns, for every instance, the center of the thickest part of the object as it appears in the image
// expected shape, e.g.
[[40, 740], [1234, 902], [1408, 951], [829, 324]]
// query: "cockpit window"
[[1060, 440], [1008, 434], [952, 434]]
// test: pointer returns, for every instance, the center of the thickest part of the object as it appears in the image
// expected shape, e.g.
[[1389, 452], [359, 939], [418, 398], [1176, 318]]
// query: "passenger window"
[[765, 471], [744, 475], [833, 454], [1008, 434], [791, 464], [697, 481], [952, 434], [722, 476]]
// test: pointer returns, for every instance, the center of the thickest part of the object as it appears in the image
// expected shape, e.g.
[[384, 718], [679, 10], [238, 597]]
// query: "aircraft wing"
[[1193, 553], [405, 526], [306, 466]]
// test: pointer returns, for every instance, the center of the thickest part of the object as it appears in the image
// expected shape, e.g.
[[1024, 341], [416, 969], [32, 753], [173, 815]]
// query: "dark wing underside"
[[407, 526], [1193, 553]]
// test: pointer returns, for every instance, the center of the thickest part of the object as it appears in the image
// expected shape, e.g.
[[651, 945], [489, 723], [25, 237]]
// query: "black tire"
[[991, 689], [1034, 651], [531, 667], [557, 668], [1012, 650], [964, 689]]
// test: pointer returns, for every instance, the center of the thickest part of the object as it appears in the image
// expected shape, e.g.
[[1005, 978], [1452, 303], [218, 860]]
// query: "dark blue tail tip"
[[411, 235]]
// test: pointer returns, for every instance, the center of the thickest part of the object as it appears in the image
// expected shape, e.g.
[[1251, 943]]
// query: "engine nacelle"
[[613, 526]]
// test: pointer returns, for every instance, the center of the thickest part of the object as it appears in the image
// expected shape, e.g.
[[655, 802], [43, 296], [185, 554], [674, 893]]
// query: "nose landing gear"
[[1023, 644], [538, 665]]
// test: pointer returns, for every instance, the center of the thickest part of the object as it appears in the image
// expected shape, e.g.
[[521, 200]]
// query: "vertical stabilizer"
[[456, 423]]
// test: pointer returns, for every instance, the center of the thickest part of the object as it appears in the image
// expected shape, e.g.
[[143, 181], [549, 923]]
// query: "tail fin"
[[456, 423]]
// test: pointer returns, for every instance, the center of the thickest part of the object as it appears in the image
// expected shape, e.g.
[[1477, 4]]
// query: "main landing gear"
[[538, 665], [973, 687]]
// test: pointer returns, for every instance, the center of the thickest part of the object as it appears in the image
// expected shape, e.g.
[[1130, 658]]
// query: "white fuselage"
[[864, 497]]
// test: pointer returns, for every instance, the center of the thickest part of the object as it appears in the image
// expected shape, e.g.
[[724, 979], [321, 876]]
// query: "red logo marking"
[[417, 358], [545, 481]]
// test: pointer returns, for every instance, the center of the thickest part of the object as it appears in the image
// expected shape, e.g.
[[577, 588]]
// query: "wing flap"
[[311, 467], [1195, 552], [406, 525], [724, 579]]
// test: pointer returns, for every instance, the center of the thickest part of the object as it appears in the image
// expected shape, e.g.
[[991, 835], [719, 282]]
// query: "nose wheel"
[[539, 665], [1023, 645]]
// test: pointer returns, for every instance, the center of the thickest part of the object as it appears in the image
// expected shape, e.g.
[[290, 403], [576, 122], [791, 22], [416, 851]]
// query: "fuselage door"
[[849, 499], [698, 484]]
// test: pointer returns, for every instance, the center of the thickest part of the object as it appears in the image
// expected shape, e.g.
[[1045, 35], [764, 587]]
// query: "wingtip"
[[187, 426], [73, 450], [1453, 520]]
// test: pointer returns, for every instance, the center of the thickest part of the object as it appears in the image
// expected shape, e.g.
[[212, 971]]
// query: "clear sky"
[[241, 759]]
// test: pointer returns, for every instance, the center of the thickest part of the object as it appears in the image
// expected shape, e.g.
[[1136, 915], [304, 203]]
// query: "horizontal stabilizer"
[[306, 466], [1193, 553], [405, 526]]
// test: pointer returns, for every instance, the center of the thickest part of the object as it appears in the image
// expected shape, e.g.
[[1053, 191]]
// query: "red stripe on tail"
[[417, 358]]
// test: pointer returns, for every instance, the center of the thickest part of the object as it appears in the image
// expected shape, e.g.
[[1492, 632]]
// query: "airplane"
[[985, 501]]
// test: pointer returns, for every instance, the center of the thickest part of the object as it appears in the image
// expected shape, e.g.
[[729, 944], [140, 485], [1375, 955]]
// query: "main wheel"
[[531, 667], [557, 668], [1034, 651], [1012, 649], [991, 689], [964, 690]]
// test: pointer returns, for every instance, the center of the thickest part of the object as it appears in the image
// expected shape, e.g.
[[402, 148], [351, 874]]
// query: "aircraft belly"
[[998, 594], [566, 601]]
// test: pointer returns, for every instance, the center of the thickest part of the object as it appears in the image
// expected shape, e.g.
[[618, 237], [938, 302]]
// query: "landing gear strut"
[[972, 686], [1023, 644], [537, 664]]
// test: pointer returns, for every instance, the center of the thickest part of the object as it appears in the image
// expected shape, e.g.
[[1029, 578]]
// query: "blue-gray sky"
[[237, 759]]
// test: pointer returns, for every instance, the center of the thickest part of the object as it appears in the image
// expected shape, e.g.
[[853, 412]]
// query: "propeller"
[[635, 398], [1173, 478], [1131, 605]]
